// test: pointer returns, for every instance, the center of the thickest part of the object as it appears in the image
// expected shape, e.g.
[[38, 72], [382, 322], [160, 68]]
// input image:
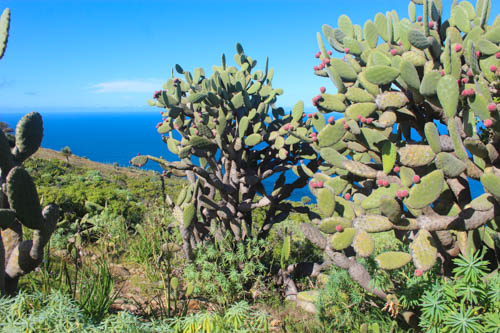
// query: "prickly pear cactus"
[[19, 203], [230, 137], [421, 123]]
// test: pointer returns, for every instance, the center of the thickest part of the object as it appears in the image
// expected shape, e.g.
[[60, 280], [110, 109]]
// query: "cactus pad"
[[427, 191], [392, 260], [423, 250], [372, 223], [416, 155], [342, 240], [363, 244]]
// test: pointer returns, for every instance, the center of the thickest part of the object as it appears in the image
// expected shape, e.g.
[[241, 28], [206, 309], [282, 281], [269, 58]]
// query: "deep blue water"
[[112, 135], [117, 135]]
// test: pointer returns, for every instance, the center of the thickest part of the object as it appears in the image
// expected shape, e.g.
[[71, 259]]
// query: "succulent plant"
[[19, 203], [230, 138], [410, 169]]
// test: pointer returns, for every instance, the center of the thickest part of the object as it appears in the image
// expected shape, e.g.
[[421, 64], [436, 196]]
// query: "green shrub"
[[469, 302], [225, 272]]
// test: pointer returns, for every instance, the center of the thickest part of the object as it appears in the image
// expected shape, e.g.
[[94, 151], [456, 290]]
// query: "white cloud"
[[128, 86]]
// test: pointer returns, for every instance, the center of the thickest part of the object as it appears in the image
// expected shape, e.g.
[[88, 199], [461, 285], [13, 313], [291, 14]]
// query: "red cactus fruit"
[[394, 52], [493, 68], [386, 183], [346, 126], [338, 228], [442, 72], [316, 68], [465, 80], [369, 120], [478, 53], [331, 120], [322, 90], [317, 54], [416, 178], [330, 52], [363, 120], [492, 107], [314, 138], [487, 123], [319, 183], [498, 55], [321, 66], [471, 92], [418, 272], [358, 117], [470, 73], [346, 50], [458, 47], [347, 196], [431, 24], [404, 193], [380, 182], [312, 183], [400, 43], [464, 93], [309, 116], [419, 18], [399, 194], [396, 169]]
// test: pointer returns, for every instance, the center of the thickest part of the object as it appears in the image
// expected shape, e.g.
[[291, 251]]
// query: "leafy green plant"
[[225, 271], [466, 303]]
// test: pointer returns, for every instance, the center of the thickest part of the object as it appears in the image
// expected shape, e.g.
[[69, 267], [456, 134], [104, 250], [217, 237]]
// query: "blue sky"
[[115, 53]]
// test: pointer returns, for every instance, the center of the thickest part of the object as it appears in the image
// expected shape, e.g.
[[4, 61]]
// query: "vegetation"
[[395, 243]]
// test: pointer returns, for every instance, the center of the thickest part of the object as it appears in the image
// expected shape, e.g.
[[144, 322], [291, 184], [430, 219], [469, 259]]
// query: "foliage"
[[225, 272], [420, 127], [469, 302], [343, 305], [58, 313], [230, 138]]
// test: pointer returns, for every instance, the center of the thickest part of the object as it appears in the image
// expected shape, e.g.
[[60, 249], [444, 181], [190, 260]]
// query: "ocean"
[[112, 136], [116, 135]]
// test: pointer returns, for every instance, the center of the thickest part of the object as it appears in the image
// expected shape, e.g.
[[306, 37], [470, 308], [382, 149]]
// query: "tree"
[[230, 138], [66, 152]]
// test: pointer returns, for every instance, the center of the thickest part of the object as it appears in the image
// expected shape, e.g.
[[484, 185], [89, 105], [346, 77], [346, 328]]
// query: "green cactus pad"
[[342, 240], [482, 203], [360, 109], [371, 34], [333, 157], [390, 207], [372, 223], [7, 218], [416, 155], [391, 99], [479, 105], [381, 24], [23, 198], [448, 93], [409, 74], [451, 166], [387, 119], [456, 139], [29, 134], [389, 154], [493, 34], [326, 201], [4, 30], [418, 39], [392, 260], [253, 139], [345, 25], [491, 183], [332, 103], [432, 136], [379, 58], [181, 197], [139, 160], [423, 250], [358, 95], [344, 69], [359, 169], [5, 154], [173, 146], [429, 83], [476, 147], [460, 18], [427, 191], [363, 244], [381, 74], [370, 87], [298, 111], [336, 79], [200, 142], [329, 225], [188, 215]]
